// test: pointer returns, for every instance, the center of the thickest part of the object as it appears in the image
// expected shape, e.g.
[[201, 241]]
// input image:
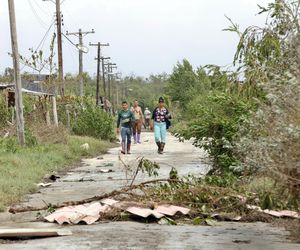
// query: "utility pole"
[[80, 35], [103, 73], [98, 58], [17, 75], [59, 48], [110, 67], [104, 81]]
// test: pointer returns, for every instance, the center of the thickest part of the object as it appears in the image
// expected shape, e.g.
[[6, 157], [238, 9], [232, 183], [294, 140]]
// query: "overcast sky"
[[146, 36]]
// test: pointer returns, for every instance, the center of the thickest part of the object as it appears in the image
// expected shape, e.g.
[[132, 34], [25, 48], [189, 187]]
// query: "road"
[[85, 181]]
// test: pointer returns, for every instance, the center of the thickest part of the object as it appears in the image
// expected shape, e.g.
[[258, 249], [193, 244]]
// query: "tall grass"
[[22, 168]]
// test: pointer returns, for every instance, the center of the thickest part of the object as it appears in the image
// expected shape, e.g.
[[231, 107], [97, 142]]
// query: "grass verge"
[[22, 168]]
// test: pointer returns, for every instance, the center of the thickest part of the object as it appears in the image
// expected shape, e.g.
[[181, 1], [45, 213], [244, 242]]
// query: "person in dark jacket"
[[160, 118]]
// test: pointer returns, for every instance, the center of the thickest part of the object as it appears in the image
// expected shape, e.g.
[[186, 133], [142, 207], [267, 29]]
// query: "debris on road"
[[75, 214], [54, 177], [171, 210], [278, 214], [85, 146], [109, 164], [17, 233], [92, 212], [144, 212], [106, 171], [44, 184]]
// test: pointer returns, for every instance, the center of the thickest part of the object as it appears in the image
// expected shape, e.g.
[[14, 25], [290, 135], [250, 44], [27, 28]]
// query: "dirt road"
[[88, 180]]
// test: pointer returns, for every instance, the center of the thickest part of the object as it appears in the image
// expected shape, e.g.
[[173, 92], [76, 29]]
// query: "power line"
[[44, 37], [69, 40], [41, 21], [41, 43], [42, 9]]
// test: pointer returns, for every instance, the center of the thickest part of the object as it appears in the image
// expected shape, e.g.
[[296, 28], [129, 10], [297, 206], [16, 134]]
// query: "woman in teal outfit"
[[160, 117]]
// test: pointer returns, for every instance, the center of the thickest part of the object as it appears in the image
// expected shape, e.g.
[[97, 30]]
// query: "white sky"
[[146, 36]]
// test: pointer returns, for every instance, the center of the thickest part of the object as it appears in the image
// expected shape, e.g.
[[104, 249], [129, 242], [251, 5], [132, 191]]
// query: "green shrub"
[[4, 111], [93, 121], [213, 123]]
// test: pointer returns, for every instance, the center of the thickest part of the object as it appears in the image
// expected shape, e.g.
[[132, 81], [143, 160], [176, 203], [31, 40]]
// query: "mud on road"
[[89, 180]]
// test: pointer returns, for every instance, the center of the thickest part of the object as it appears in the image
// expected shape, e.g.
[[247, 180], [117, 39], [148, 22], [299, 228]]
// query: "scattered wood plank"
[[30, 232]]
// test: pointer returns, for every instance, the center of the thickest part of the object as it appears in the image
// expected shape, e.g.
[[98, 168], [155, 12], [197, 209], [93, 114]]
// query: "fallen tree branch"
[[88, 200]]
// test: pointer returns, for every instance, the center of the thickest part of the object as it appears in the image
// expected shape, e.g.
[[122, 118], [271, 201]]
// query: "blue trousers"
[[160, 131], [126, 135]]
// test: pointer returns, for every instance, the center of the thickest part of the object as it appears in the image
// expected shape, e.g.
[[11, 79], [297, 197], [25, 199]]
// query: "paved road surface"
[[86, 181]]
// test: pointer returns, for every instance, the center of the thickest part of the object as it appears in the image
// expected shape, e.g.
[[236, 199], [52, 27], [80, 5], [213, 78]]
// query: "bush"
[[4, 112], [213, 119], [271, 144], [93, 121]]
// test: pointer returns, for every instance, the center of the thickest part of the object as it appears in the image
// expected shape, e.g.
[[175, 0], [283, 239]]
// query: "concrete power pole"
[[17, 75], [59, 50], [80, 34], [98, 58]]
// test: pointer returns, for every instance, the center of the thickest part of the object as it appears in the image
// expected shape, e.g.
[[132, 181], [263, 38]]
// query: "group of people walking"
[[131, 120]]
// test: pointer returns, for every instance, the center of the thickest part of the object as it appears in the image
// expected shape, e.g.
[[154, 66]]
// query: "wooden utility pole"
[[103, 73], [17, 75], [59, 50], [80, 34], [98, 58], [103, 79], [110, 67]]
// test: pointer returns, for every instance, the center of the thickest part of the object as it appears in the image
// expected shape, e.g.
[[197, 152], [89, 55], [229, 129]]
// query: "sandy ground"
[[87, 180]]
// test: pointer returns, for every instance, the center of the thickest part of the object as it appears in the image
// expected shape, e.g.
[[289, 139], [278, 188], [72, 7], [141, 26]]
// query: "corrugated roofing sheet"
[[75, 214], [91, 213]]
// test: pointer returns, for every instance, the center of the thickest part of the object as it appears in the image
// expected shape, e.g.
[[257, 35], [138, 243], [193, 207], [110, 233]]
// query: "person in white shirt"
[[147, 115]]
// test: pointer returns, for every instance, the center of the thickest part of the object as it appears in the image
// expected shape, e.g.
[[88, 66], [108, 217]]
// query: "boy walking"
[[125, 119]]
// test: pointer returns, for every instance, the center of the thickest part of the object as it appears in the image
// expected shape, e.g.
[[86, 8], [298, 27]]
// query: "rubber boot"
[[123, 148], [162, 146], [134, 138], [139, 138], [158, 147], [128, 148]]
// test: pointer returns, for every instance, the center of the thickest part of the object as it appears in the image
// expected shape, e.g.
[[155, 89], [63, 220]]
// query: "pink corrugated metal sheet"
[[91, 213], [283, 213], [171, 210], [144, 212], [75, 214]]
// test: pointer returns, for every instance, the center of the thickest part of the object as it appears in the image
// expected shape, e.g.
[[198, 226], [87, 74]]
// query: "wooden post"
[[68, 119], [59, 50], [54, 110], [48, 120], [98, 58], [81, 88], [17, 75], [98, 74]]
